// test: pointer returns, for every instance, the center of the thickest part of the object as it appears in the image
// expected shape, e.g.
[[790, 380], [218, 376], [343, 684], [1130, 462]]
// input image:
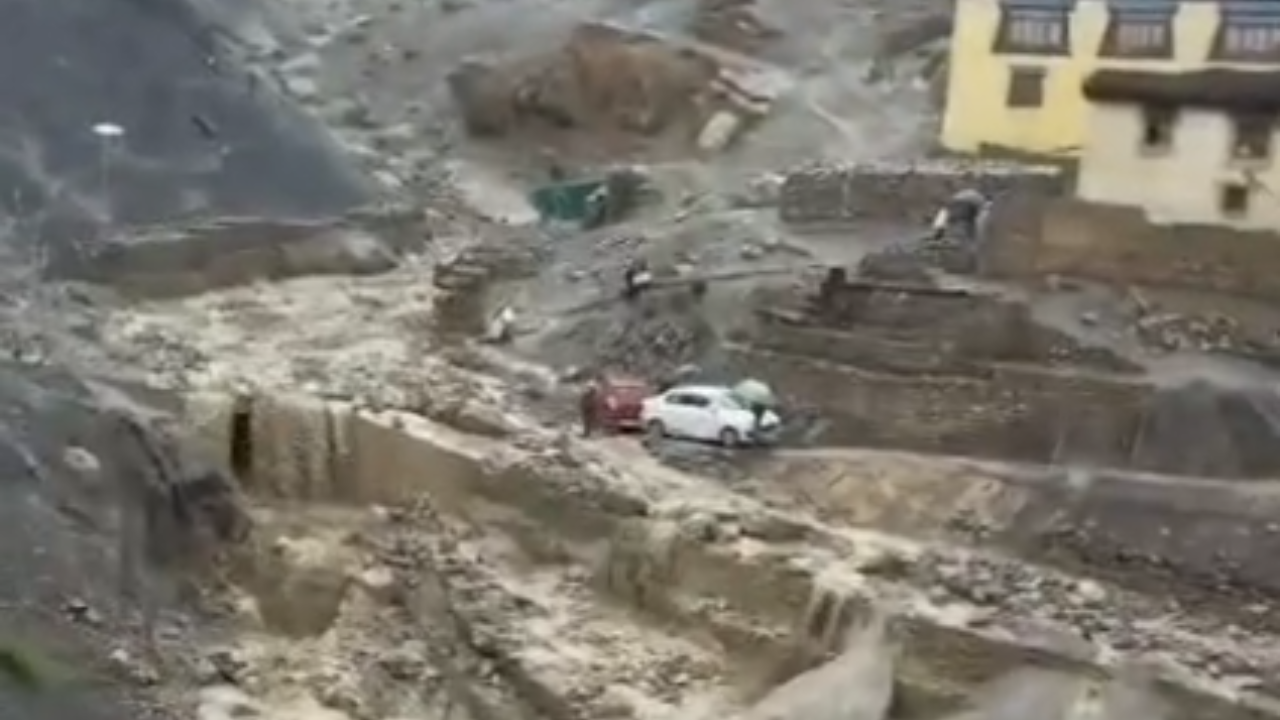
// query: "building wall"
[[1182, 185], [977, 113]]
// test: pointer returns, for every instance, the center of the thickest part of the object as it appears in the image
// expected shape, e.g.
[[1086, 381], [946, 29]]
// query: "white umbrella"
[[754, 392]]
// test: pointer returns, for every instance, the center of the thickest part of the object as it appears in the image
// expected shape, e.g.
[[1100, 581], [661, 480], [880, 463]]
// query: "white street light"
[[108, 133], [108, 130]]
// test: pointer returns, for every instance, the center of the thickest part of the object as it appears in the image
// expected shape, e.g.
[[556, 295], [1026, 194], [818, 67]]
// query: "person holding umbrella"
[[757, 396]]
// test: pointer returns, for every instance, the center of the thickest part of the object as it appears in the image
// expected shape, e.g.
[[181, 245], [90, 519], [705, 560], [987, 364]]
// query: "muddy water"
[[856, 685], [602, 582], [1047, 695]]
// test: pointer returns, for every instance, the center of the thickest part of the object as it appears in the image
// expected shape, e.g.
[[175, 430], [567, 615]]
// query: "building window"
[[1026, 88], [1139, 36], [1233, 199], [1248, 39], [1034, 31], [1158, 124], [1251, 137]]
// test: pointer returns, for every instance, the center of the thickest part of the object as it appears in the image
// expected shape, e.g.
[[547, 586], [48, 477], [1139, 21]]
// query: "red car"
[[621, 399]]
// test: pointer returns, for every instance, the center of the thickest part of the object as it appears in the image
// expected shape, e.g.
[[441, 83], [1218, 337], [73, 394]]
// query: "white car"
[[706, 412]]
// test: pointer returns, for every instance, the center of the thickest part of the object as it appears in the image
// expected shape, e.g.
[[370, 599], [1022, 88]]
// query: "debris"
[[719, 131]]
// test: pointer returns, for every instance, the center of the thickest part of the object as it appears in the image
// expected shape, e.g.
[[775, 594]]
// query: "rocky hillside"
[[200, 137]]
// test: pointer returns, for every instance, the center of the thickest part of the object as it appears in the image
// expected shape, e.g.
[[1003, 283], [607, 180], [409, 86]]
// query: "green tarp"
[[568, 202]]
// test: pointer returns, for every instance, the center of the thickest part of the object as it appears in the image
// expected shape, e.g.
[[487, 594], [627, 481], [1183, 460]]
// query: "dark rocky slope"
[[201, 137], [100, 513], [201, 140]]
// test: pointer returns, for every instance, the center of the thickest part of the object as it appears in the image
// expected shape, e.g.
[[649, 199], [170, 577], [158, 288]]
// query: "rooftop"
[[1239, 90]]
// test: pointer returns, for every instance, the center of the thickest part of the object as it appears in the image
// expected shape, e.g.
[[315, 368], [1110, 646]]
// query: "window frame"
[[1230, 44], [1121, 22], [1018, 25], [688, 399], [1161, 116], [1225, 193], [1241, 123], [1016, 100]]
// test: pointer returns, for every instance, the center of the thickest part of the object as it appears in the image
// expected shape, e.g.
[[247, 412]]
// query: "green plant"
[[24, 668]]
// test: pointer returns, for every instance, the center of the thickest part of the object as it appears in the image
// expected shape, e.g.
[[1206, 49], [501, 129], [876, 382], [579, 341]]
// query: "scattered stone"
[[406, 662], [482, 419], [224, 702], [355, 114], [135, 669], [886, 564], [304, 89], [774, 528], [340, 692], [1090, 592], [227, 664], [380, 582], [82, 461], [719, 131]]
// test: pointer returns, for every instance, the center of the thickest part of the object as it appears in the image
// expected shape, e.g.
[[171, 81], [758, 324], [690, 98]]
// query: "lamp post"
[[108, 135]]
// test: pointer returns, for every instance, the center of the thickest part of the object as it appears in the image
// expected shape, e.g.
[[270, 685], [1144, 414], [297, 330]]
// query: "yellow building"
[[1017, 66], [1187, 148]]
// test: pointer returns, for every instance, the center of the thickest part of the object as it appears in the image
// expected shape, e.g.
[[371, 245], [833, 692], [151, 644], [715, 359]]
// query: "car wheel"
[[730, 437], [655, 429]]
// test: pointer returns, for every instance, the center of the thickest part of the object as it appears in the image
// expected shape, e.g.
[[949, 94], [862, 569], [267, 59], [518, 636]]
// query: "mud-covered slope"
[[200, 137], [96, 513]]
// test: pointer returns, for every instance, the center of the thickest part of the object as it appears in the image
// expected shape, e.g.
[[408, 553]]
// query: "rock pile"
[[603, 78], [653, 342], [609, 79]]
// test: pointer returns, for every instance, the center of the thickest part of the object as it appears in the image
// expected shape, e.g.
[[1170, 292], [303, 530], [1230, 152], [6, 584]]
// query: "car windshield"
[[729, 400]]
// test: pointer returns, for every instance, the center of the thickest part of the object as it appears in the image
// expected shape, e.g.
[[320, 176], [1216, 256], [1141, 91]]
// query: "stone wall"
[[1117, 244], [1027, 415], [907, 192], [870, 351], [899, 329], [177, 260]]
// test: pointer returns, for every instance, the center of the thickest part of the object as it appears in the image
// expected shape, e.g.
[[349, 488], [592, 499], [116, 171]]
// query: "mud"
[[589, 584], [1132, 528]]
